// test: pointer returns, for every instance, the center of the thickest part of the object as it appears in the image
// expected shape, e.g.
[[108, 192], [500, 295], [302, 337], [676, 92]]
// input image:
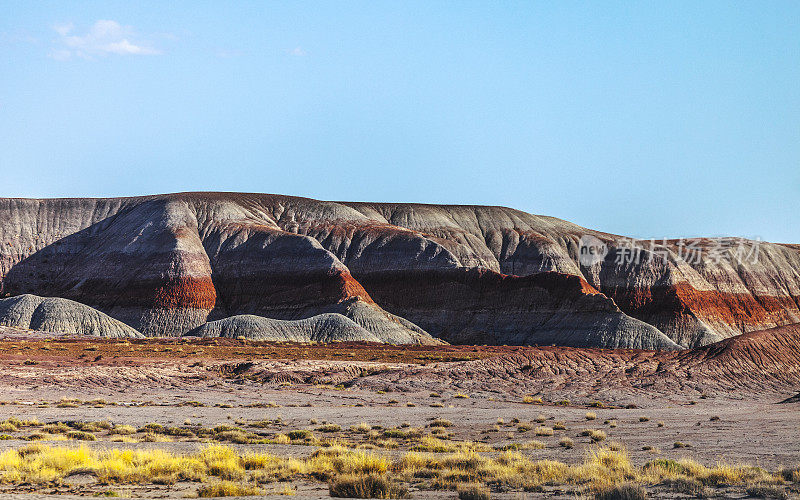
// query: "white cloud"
[[297, 51], [103, 38]]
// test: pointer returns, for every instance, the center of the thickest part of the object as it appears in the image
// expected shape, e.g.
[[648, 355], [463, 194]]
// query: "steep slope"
[[166, 264], [59, 315]]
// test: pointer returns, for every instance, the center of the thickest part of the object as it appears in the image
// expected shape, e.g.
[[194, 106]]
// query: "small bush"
[[543, 431], [473, 492], [566, 442], [365, 486], [329, 428], [644, 419], [591, 415], [460, 396]]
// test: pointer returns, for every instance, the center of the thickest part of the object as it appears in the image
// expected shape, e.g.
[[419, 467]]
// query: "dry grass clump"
[[228, 489], [529, 400], [440, 422], [718, 475], [436, 445], [366, 486], [460, 396], [543, 431], [605, 472], [473, 491], [122, 430], [81, 436], [566, 442], [591, 415], [329, 428], [644, 419], [362, 428], [594, 434]]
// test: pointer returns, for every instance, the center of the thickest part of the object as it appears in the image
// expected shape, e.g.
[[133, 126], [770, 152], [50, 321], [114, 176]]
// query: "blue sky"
[[649, 119]]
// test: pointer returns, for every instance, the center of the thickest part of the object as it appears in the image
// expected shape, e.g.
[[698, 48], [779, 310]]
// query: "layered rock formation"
[[59, 315], [167, 264]]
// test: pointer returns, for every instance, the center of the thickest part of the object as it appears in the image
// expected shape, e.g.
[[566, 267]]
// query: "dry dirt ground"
[[480, 390]]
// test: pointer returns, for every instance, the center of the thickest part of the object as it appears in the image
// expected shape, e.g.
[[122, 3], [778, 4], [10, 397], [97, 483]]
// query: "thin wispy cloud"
[[104, 37], [297, 52]]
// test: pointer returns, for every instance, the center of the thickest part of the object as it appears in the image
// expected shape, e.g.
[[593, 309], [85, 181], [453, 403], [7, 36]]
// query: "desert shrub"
[[365, 486], [566, 442], [626, 491], [591, 415], [473, 492], [152, 427], [81, 436], [300, 434], [529, 400], [524, 427], [92, 426], [329, 428], [56, 428], [460, 396], [227, 489], [123, 430], [441, 422], [644, 419], [559, 426], [543, 431]]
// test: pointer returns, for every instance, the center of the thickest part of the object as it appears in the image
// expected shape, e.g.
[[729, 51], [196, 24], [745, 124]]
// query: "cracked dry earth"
[[721, 402]]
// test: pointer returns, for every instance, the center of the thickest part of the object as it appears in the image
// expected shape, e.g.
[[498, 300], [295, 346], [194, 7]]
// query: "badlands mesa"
[[231, 264], [213, 344], [277, 267]]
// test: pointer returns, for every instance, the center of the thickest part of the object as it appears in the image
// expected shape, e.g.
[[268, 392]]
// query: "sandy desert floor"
[[292, 400]]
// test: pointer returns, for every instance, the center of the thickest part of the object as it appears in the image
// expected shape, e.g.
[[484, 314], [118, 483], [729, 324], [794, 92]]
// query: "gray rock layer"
[[329, 327], [57, 315]]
